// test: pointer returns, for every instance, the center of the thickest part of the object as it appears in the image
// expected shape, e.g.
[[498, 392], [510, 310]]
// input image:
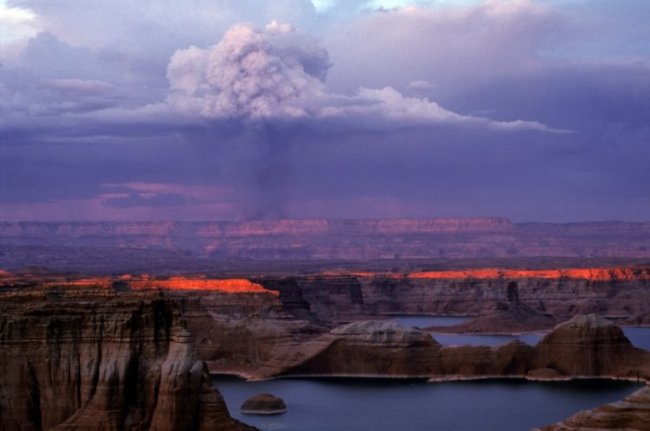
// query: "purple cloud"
[[279, 73], [412, 112]]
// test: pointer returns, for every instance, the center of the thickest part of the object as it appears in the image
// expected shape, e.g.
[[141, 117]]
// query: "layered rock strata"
[[322, 239], [511, 316], [101, 361], [586, 346], [631, 414], [623, 293], [371, 348]]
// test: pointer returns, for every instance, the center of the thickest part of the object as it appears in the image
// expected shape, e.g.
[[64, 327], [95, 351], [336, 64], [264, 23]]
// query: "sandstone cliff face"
[[622, 292], [102, 362], [372, 348], [505, 317], [512, 359], [631, 414], [585, 345]]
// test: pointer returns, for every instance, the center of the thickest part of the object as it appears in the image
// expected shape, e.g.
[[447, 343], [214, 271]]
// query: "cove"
[[386, 404]]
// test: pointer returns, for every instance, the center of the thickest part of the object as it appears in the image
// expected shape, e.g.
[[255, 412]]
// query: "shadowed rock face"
[[508, 300], [504, 317], [371, 348], [102, 362], [512, 359], [631, 414], [585, 345], [263, 404]]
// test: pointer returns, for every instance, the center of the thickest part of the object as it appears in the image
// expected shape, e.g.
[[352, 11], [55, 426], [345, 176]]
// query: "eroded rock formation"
[[631, 414], [540, 299], [586, 345], [264, 404], [99, 361], [371, 348]]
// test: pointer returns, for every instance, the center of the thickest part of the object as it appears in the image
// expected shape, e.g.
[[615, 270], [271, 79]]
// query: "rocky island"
[[264, 404]]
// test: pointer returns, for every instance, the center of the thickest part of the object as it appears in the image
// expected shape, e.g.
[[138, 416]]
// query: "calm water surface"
[[423, 321], [378, 405], [639, 336], [464, 339]]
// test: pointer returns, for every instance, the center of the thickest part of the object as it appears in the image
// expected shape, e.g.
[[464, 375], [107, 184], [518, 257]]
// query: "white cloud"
[[16, 23], [250, 73], [279, 73], [324, 5], [390, 104]]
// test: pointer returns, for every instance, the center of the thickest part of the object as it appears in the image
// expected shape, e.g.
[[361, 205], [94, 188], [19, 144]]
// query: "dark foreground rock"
[[264, 404], [102, 362], [631, 414]]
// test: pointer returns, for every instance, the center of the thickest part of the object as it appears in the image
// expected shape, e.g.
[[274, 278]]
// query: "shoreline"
[[246, 377]]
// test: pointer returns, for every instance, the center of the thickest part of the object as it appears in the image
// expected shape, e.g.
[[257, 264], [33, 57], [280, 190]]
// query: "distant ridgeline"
[[354, 240]]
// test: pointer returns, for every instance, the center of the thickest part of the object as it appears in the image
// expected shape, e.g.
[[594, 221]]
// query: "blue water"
[[423, 321], [464, 339], [485, 340], [639, 336], [388, 405]]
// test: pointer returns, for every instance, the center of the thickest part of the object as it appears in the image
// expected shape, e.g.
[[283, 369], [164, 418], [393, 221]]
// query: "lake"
[[639, 336], [382, 404]]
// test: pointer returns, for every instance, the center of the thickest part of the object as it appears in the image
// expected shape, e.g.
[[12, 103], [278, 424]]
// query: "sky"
[[534, 110]]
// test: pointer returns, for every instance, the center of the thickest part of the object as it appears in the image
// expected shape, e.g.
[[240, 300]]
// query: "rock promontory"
[[100, 361], [371, 348], [587, 345], [631, 414]]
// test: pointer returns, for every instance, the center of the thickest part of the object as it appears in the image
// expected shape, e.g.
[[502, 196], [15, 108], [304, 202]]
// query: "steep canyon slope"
[[89, 359]]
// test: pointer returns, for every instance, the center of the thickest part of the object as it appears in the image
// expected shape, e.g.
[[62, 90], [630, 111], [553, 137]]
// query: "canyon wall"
[[127, 352], [88, 359], [618, 292], [315, 240]]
